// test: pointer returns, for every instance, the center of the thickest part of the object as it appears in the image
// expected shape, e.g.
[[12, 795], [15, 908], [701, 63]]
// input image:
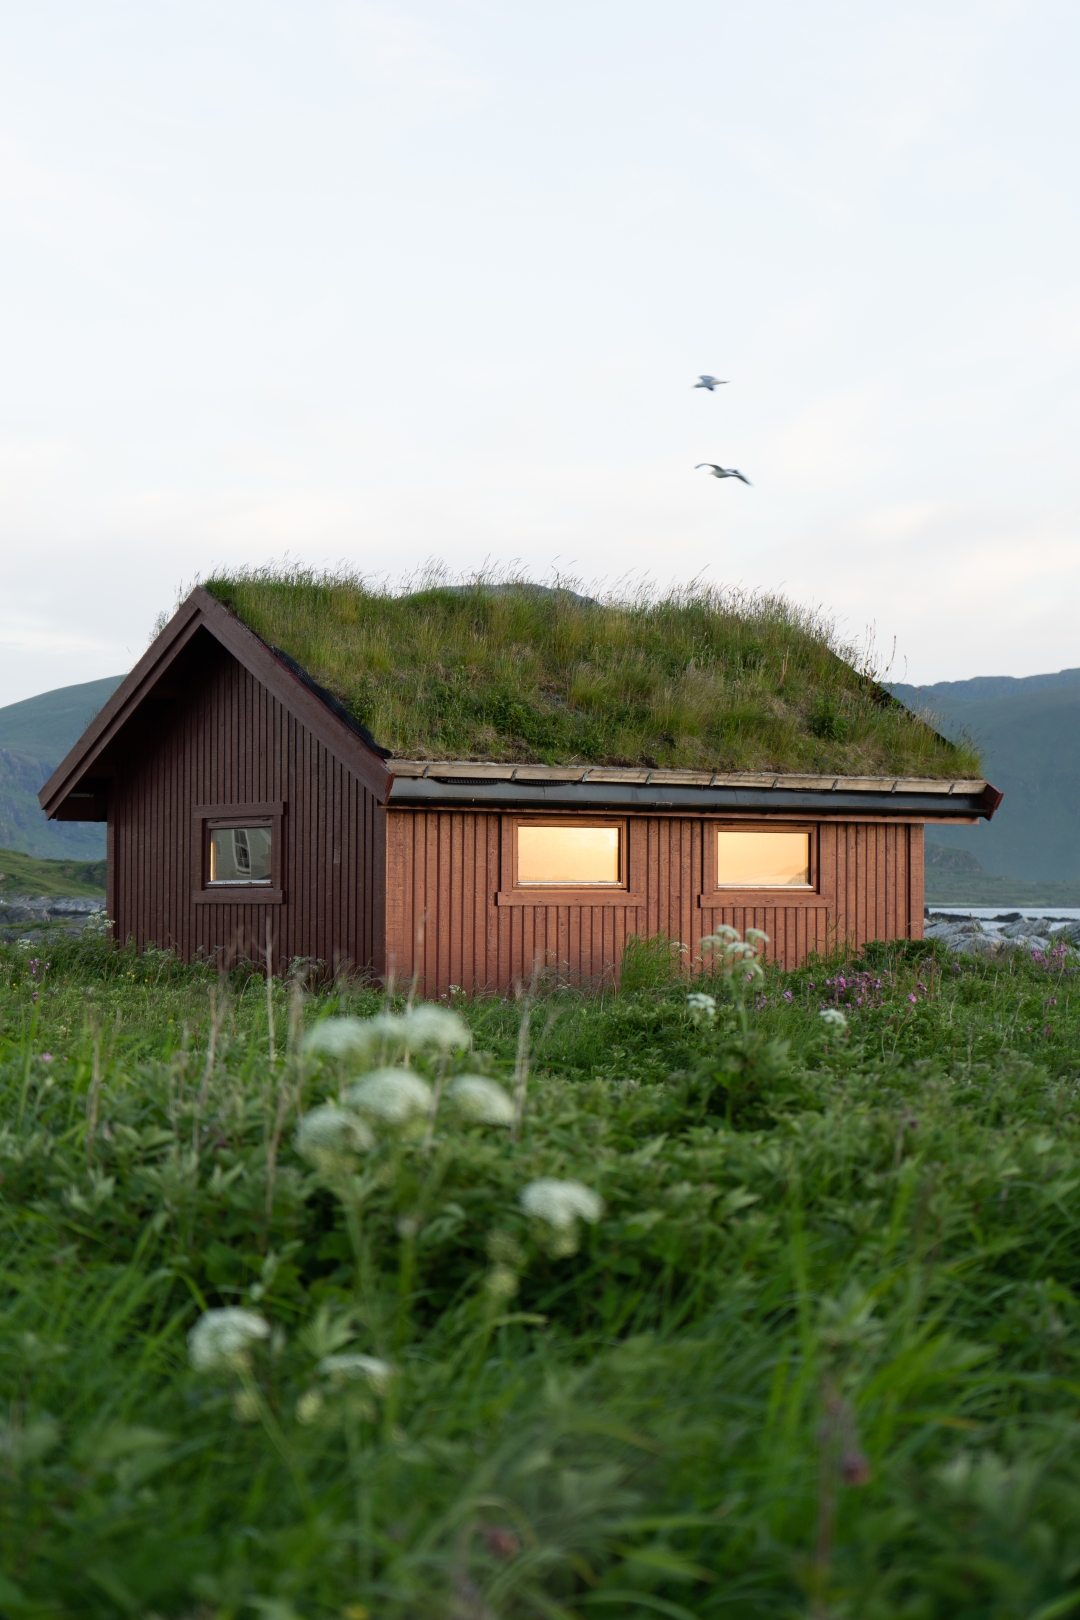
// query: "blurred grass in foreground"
[[820, 1355]]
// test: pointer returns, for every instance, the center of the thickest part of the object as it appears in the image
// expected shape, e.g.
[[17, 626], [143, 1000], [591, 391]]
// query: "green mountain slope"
[[1029, 733], [35, 734], [25, 875]]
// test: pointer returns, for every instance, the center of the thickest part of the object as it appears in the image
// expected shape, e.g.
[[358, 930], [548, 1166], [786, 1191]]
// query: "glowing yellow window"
[[762, 860], [571, 856], [240, 854]]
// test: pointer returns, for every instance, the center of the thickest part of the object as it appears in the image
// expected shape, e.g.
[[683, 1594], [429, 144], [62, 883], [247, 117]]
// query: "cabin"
[[465, 786]]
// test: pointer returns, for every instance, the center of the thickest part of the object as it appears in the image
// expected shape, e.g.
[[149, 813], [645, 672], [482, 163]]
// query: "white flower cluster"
[[702, 1008], [560, 1204], [481, 1100], [328, 1135], [223, 1338], [420, 1029], [833, 1018], [354, 1365], [737, 957], [393, 1095]]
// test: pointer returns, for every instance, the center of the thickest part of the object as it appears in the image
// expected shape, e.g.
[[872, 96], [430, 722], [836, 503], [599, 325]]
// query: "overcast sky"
[[385, 283]]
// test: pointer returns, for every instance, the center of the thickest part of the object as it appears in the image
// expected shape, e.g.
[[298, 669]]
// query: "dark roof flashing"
[[332, 703]]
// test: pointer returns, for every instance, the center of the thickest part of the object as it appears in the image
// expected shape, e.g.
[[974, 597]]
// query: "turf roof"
[[700, 679]]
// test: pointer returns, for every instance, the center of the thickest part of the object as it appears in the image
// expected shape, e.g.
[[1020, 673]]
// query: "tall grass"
[[701, 678], [818, 1354]]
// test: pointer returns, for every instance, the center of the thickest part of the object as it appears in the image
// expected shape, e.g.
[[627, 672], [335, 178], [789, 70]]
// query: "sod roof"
[[701, 679]]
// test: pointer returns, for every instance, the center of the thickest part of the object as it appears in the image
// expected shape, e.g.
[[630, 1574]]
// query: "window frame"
[[513, 893], [714, 894], [210, 816]]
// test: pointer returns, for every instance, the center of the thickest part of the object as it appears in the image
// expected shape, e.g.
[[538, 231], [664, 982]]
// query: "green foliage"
[[650, 962], [701, 678], [820, 1352]]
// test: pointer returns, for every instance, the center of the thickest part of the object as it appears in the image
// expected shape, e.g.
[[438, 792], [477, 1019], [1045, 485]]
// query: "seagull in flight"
[[711, 382], [722, 472]]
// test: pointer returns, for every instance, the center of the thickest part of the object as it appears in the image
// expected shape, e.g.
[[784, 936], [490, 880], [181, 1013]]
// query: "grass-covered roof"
[[699, 679]]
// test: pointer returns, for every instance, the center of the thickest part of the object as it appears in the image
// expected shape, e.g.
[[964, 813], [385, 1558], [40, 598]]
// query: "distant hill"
[[1028, 729], [26, 875], [34, 737]]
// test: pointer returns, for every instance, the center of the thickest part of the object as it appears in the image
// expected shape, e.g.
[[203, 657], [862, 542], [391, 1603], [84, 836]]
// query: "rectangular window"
[[570, 856], [762, 860], [241, 855]]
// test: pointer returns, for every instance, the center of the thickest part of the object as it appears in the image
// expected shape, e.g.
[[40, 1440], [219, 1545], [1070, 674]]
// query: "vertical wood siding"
[[443, 925], [231, 742]]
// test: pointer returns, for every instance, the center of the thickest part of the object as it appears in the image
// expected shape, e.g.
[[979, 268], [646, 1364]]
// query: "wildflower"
[[46, 1057], [754, 936], [328, 1135], [913, 996], [391, 1094], [702, 1008], [502, 1282], [724, 935], [559, 1204], [438, 1027], [339, 1037], [339, 1369], [482, 1100], [222, 1338], [788, 995], [309, 1407], [833, 1018]]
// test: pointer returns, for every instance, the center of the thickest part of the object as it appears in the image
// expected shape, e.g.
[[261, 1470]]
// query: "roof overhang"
[[77, 789], [459, 782]]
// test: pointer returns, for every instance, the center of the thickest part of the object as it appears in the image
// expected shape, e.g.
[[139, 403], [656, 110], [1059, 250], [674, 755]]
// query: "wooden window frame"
[[511, 893], [713, 896], [207, 816]]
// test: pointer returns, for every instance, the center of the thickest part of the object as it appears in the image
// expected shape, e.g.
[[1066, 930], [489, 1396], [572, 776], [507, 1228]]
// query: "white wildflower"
[[722, 936], [391, 1094], [502, 1282], [480, 1099], [560, 1203], [702, 1008], [222, 1338], [340, 1037], [353, 1365], [833, 1018], [754, 936], [438, 1027], [329, 1134]]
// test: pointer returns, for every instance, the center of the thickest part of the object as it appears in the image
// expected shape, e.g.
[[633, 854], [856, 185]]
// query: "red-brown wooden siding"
[[444, 871], [231, 742]]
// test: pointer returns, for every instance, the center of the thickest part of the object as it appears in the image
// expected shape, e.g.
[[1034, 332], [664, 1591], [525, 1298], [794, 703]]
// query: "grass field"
[[816, 1353]]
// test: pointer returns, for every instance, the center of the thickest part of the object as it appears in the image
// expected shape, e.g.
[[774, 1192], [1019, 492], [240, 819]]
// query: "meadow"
[[682, 1301]]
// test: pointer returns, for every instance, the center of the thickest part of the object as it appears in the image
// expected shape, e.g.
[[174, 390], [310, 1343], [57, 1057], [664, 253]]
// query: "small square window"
[[568, 856], [240, 855], [762, 860]]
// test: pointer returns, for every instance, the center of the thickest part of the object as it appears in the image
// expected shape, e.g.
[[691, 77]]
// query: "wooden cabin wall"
[[443, 873], [229, 741]]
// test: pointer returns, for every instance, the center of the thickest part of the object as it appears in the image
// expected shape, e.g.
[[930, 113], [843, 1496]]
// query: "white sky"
[[382, 283]]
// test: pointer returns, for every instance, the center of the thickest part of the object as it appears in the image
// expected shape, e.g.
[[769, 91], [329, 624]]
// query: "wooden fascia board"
[[120, 708], [247, 648], [202, 611]]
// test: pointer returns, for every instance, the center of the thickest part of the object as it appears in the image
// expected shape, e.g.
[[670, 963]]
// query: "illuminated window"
[[240, 854], [570, 855], [762, 860]]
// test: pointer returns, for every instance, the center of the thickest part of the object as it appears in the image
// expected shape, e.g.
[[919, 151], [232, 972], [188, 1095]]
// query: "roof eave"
[[199, 611]]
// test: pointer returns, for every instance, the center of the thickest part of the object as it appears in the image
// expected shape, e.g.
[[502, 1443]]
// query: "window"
[[568, 856], [762, 860], [240, 855]]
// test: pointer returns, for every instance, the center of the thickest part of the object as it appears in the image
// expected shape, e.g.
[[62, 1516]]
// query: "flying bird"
[[722, 472], [711, 382]]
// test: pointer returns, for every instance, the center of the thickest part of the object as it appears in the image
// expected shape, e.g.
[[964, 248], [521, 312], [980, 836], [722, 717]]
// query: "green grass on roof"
[[699, 679]]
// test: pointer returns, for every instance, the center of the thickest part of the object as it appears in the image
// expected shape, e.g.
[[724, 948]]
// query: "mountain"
[[34, 737], [1028, 729]]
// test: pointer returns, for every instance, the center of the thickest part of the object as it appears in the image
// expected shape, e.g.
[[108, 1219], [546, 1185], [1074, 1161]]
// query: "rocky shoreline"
[[20, 911], [997, 936]]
